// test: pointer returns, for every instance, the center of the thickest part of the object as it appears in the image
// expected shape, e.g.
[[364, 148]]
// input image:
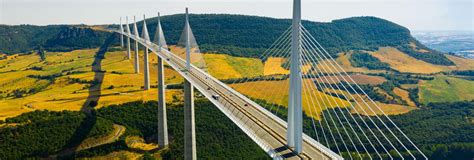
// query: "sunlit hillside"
[[65, 79]]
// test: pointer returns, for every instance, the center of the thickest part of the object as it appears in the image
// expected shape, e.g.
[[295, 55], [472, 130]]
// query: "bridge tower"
[[146, 66], [162, 120], [189, 123], [295, 112], [137, 36], [121, 34], [128, 37]]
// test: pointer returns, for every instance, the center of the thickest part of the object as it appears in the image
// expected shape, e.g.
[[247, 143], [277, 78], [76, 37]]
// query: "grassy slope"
[[61, 93], [224, 66], [404, 63], [446, 89]]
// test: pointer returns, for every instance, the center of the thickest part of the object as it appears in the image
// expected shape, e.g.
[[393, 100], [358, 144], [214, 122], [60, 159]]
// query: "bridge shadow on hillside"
[[92, 100]]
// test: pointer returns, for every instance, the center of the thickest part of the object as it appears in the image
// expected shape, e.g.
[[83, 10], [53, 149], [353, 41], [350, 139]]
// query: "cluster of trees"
[[275, 77], [362, 59], [432, 56], [42, 53], [413, 95], [44, 133], [219, 137], [441, 130], [464, 73], [71, 38]]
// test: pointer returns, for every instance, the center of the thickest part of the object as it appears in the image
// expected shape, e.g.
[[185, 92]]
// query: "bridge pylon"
[[121, 35], [146, 65], [295, 112], [137, 36], [162, 120], [189, 123]]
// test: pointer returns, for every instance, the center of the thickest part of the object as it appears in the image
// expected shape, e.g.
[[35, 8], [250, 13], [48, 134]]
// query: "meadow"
[[446, 89]]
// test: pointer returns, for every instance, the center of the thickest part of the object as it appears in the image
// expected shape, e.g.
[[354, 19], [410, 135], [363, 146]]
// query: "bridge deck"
[[267, 130]]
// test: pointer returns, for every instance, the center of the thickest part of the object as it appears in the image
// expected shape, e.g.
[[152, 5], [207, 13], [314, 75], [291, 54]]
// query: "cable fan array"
[[338, 112]]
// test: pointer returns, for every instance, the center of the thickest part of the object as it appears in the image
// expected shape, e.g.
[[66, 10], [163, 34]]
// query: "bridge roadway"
[[267, 130]]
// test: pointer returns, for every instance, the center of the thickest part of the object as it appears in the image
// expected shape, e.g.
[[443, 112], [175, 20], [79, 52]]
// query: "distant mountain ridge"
[[246, 36]]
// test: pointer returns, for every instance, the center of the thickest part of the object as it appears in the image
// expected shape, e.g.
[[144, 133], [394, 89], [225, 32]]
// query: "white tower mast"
[[295, 112]]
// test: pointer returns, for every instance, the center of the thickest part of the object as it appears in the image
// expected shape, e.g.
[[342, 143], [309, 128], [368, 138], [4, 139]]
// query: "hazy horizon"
[[431, 15]]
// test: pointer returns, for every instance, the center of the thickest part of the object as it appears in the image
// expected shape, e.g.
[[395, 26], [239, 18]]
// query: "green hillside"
[[237, 35], [446, 89]]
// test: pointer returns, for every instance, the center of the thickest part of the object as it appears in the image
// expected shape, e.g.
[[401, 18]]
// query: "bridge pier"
[[162, 121], [146, 85], [146, 65], [128, 39], [128, 48], [189, 123], [135, 31]]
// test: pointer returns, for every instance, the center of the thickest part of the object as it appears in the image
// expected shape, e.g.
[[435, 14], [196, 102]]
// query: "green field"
[[446, 89]]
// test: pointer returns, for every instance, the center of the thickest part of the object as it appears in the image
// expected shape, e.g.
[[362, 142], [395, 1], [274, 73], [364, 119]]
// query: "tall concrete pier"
[[162, 119], [137, 35], [189, 123], [127, 29]]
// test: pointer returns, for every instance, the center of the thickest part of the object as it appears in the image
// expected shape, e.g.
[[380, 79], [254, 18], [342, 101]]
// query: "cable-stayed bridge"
[[340, 109]]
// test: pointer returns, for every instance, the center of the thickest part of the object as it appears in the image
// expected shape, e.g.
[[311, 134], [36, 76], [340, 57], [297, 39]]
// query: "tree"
[[42, 53]]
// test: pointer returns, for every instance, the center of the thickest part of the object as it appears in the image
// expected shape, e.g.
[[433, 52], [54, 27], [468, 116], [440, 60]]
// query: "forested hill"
[[259, 32], [250, 35], [25, 38]]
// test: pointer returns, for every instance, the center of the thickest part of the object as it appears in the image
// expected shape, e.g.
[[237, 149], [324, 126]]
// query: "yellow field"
[[398, 61], [223, 66], [326, 66], [117, 155], [358, 78], [273, 66], [119, 84], [461, 63], [405, 63], [102, 139], [313, 102], [388, 109], [361, 108], [136, 142], [404, 95]]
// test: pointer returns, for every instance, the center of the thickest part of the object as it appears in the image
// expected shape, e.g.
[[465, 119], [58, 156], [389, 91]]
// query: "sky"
[[417, 15]]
